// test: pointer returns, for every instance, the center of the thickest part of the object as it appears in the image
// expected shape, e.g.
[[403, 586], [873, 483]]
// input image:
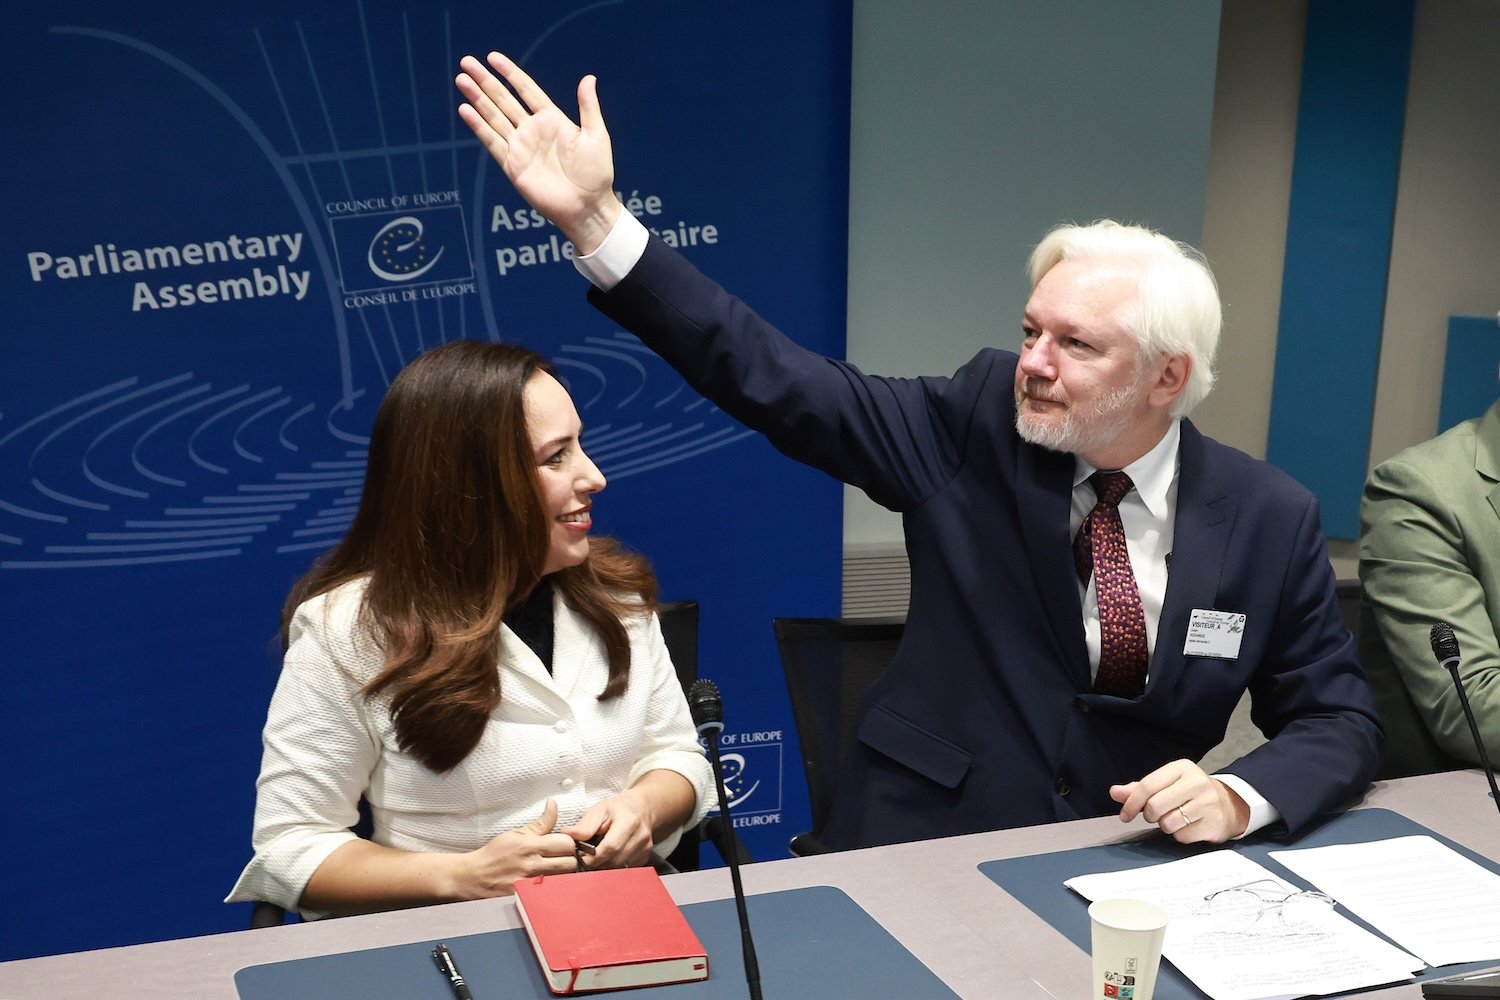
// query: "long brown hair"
[[451, 533]]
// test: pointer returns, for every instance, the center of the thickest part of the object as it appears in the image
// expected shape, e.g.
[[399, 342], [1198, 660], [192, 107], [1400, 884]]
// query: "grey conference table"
[[931, 896]]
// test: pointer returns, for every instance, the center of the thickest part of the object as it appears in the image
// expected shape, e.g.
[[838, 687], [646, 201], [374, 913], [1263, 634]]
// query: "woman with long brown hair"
[[471, 663]]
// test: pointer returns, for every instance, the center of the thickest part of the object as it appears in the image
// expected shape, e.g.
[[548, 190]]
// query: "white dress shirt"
[[613, 258]]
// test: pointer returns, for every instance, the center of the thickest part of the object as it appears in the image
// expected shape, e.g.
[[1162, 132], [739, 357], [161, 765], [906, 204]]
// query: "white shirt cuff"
[[1262, 813], [617, 255]]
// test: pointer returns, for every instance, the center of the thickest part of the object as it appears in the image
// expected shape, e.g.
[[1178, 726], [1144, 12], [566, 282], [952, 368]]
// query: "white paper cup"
[[1127, 937]]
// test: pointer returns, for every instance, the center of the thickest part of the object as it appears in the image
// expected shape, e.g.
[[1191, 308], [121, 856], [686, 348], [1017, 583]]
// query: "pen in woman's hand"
[[444, 959]]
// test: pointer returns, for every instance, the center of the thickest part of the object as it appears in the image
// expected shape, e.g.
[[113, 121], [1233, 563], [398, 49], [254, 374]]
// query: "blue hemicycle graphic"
[[185, 466]]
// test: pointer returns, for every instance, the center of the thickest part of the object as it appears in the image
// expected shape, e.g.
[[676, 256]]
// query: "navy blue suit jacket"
[[986, 718]]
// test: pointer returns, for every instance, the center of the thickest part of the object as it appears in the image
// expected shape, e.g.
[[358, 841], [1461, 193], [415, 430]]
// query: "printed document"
[[1264, 959], [1416, 891]]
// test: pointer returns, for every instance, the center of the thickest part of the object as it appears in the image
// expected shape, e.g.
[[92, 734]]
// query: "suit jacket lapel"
[[1206, 508], [1044, 492]]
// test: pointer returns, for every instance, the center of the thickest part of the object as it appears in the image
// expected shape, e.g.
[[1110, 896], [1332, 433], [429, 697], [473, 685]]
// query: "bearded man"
[[1094, 583]]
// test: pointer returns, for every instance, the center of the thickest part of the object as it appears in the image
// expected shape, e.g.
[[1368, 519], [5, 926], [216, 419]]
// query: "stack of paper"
[[1441, 906], [1264, 961]]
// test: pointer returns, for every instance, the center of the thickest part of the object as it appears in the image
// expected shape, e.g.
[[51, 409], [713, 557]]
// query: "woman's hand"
[[620, 828], [627, 826], [362, 876], [527, 851]]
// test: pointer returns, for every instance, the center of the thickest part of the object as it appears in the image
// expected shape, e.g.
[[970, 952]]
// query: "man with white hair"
[[1094, 583]]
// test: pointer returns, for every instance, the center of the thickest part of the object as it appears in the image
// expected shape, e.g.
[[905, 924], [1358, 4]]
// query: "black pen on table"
[[444, 959]]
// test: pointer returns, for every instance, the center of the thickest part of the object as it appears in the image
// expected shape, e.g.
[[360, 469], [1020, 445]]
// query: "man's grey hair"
[[1176, 309]]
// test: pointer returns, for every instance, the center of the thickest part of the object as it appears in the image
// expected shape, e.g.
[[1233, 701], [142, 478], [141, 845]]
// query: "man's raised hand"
[[565, 171]]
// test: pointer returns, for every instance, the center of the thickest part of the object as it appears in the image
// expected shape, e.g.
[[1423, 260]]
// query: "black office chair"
[[829, 664], [1410, 748], [264, 914], [679, 628], [1348, 593]]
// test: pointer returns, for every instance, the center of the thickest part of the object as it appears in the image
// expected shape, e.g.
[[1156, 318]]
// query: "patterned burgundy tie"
[[1100, 549]]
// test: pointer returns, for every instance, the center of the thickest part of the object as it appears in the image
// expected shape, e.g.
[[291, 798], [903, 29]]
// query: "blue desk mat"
[[809, 943], [1037, 880]]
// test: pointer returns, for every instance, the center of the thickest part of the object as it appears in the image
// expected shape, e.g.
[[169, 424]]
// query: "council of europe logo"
[[752, 777], [417, 246]]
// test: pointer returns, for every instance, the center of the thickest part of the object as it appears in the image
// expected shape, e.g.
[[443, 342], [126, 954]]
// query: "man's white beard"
[[1080, 431]]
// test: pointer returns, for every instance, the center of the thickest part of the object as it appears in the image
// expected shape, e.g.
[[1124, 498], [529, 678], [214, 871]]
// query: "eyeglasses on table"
[[1249, 906]]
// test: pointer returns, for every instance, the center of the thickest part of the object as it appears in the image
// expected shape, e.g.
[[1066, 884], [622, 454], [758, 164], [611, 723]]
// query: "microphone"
[[1445, 648], [707, 710], [706, 707]]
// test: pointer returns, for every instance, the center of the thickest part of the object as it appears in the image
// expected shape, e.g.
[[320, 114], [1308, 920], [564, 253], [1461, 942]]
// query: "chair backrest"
[[1410, 747], [829, 664], [1348, 594], [679, 628]]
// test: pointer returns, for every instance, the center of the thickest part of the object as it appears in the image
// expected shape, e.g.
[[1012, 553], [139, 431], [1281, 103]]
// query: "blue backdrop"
[[1468, 370], [225, 235], [1350, 119]]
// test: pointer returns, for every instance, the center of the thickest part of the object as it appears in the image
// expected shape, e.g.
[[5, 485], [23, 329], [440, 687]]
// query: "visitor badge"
[[1214, 633]]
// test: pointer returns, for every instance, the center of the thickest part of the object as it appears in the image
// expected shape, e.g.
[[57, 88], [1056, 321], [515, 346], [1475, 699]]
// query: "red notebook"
[[608, 930]]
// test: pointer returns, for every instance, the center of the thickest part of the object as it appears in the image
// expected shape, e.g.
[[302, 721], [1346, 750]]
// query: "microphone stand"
[[1445, 647], [1484, 758], [708, 716]]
